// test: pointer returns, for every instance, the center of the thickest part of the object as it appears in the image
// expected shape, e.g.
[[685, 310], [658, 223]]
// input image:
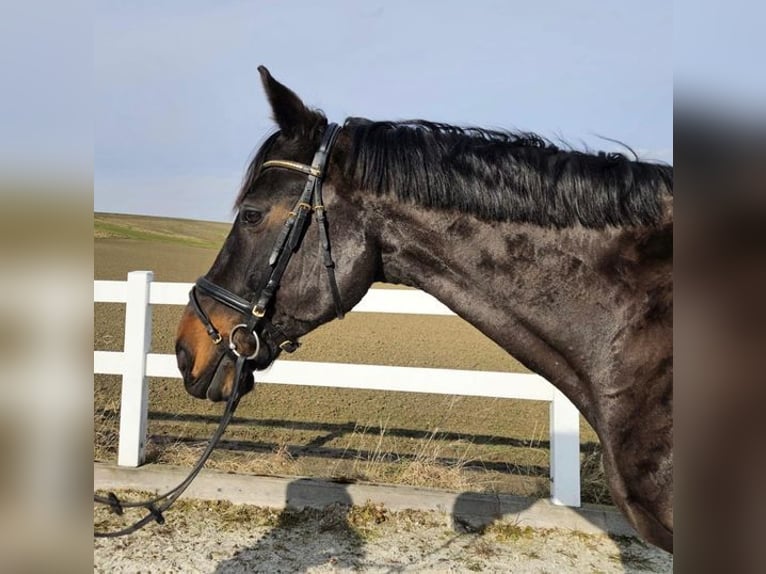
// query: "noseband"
[[286, 244]]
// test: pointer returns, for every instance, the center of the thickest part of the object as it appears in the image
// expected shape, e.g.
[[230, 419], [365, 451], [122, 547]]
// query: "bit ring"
[[233, 347]]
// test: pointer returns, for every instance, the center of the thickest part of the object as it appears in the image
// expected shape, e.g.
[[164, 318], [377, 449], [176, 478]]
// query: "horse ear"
[[290, 113]]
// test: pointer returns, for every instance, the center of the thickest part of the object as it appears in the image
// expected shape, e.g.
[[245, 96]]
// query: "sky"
[[179, 109]]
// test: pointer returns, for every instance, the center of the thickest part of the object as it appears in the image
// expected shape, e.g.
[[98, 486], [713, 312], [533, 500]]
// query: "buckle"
[[258, 311], [288, 346]]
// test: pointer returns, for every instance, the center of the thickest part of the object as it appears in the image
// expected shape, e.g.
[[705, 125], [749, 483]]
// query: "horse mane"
[[504, 176]]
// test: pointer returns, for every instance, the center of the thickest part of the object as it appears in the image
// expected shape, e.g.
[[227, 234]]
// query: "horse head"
[[281, 228]]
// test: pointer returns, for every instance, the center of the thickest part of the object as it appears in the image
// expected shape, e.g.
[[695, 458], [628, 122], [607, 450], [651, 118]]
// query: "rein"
[[159, 504], [287, 243]]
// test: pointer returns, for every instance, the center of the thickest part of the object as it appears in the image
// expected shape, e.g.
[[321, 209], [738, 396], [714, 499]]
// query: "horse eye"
[[251, 216]]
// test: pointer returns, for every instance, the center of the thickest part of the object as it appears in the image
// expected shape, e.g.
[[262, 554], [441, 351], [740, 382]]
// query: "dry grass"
[[106, 433], [484, 548], [425, 467], [510, 531], [368, 455], [361, 518], [364, 454], [592, 480], [364, 519], [426, 470], [183, 454]]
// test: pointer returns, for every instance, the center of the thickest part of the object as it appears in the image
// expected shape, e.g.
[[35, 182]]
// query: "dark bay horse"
[[563, 258]]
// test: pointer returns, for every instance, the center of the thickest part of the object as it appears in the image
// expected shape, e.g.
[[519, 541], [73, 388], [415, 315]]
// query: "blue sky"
[[179, 108]]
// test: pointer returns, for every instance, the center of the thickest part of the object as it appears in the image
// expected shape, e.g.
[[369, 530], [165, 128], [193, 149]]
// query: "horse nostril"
[[184, 361]]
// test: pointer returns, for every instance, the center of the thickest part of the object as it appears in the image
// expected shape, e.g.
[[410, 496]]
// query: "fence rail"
[[135, 364]]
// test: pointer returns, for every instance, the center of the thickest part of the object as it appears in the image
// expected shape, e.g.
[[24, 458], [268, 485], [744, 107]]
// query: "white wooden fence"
[[136, 364]]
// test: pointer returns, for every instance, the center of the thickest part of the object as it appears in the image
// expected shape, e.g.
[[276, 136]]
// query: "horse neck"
[[562, 301]]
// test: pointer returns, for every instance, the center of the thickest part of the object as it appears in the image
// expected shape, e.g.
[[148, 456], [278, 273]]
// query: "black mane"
[[504, 176]]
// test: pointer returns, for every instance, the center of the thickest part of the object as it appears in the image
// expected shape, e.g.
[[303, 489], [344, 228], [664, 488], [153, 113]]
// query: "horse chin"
[[222, 379], [217, 382], [222, 382]]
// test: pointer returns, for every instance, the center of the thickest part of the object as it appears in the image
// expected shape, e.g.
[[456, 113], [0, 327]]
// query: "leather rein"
[[255, 311]]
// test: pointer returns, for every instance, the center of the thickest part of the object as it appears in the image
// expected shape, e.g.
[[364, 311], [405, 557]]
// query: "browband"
[[294, 165]]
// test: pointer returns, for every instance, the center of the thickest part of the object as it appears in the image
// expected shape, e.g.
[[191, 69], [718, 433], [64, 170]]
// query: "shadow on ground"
[[477, 513], [317, 530], [326, 536]]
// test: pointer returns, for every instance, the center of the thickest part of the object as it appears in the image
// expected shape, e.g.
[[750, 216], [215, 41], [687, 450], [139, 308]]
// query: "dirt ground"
[[222, 538]]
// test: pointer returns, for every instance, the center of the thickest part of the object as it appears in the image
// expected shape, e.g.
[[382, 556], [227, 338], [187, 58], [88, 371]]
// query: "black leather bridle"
[[256, 312], [286, 244]]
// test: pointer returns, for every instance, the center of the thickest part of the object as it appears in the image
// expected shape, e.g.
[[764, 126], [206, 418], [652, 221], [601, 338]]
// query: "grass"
[[509, 531], [485, 549], [228, 515], [592, 480], [350, 452], [106, 433], [363, 519], [163, 230], [433, 461], [360, 519]]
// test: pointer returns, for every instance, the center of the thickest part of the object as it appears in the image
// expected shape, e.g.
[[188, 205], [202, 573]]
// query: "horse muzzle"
[[216, 380]]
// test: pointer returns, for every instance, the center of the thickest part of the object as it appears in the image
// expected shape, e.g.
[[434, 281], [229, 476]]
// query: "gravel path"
[[218, 537]]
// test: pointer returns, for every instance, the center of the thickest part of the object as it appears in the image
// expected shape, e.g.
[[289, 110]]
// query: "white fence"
[[136, 364]]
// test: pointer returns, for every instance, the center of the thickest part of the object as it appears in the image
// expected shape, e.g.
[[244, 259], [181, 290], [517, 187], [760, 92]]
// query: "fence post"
[[135, 388], [565, 451]]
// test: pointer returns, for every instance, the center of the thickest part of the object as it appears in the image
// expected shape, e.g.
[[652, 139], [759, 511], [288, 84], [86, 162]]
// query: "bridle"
[[286, 244], [256, 313]]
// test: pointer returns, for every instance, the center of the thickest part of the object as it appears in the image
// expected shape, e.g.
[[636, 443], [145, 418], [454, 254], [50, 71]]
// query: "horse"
[[561, 257]]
